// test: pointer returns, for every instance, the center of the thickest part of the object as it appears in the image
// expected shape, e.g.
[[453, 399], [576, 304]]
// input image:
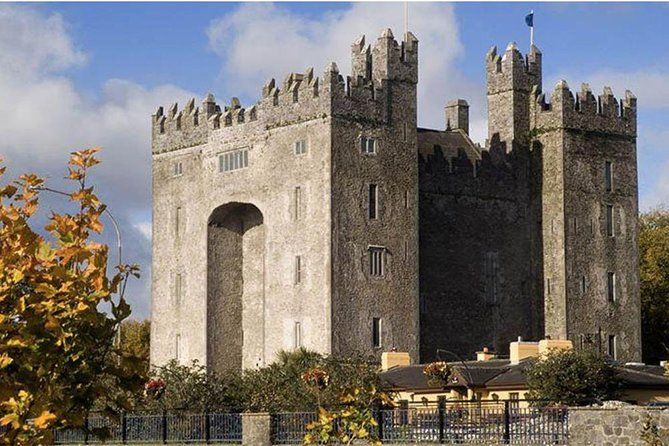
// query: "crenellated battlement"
[[301, 96], [512, 70], [583, 111]]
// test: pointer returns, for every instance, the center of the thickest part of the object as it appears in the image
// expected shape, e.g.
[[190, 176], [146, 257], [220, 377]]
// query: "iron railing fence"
[[499, 422], [177, 427], [290, 427]]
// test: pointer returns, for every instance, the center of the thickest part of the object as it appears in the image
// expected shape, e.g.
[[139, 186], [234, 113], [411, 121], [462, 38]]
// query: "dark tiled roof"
[[500, 373], [450, 142]]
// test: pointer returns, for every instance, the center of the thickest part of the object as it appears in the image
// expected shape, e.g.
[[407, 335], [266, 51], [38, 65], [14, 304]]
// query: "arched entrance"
[[235, 287]]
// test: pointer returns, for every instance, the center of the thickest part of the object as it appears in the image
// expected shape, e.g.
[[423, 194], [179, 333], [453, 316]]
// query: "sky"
[[75, 75]]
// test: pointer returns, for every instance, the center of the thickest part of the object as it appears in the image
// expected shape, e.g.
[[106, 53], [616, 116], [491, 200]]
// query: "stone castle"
[[324, 217]]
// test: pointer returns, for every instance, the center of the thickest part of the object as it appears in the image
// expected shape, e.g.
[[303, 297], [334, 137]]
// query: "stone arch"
[[235, 287]]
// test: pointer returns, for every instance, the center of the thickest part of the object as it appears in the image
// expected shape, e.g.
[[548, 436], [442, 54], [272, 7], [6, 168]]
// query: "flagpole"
[[532, 30], [406, 17]]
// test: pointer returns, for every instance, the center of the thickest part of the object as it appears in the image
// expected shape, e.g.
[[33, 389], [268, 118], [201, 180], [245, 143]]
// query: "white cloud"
[[260, 41], [45, 116]]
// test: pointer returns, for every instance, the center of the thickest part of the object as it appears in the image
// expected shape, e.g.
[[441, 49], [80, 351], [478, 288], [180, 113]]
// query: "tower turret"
[[510, 80]]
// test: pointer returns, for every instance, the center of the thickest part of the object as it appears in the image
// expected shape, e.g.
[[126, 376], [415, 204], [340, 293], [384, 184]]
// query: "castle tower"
[[589, 211], [510, 79]]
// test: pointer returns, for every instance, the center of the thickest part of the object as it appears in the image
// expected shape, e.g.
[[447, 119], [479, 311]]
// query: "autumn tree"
[[134, 338], [654, 269], [59, 310]]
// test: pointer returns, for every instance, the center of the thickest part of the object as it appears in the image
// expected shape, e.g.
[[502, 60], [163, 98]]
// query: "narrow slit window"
[[611, 347], [609, 221], [376, 261], [376, 332], [297, 203], [177, 220], [548, 286], [608, 176], [404, 132], [297, 336], [373, 199], [177, 289], [298, 269], [177, 347], [611, 286], [583, 285], [406, 199]]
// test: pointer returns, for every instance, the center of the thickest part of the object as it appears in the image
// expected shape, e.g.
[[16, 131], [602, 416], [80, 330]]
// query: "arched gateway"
[[235, 287]]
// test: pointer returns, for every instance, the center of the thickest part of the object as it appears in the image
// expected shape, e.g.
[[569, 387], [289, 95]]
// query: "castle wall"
[[269, 311], [577, 138], [475, 261]]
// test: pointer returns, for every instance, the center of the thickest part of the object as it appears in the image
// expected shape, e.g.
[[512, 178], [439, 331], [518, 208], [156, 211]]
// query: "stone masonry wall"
[[611, 427]]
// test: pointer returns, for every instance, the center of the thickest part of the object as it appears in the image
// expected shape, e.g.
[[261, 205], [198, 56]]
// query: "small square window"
[[300, 147], [376, 261], [368, 146], [178, 168]]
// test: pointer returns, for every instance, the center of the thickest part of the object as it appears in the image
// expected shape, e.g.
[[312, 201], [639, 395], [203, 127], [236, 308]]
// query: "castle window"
[[298, 270], [376, 261], [548, 286], [177, 221], [373, 201], [178, 168], [406, 199], [177, 289], [611, 286], [404, 132], [406, 249], [300, 147], [367, 145], [376, 332], [297, 336], [608, 175], [609, 220], [237, 159], [177, 347], [611, 347], [583, 285], [297, 203]]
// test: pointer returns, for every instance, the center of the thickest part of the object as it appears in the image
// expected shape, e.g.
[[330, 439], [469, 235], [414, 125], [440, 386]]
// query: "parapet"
[[301, 96], [512, 70], [582, 111]]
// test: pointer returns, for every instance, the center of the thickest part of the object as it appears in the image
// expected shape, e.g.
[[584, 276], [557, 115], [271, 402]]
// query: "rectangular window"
[[177, 289], [297, 336], [178, 168], [406, 199], [177, 347], [609, 220], [367, 145], [583, 284], [373, 201], [234, 160], [611, 286], [298, 269], [376, 332], [611, 347], [376, 260], [404, 132], [548, 286], [608, 176], [177, 220], [491, 274], [300, 147], [297, 202]]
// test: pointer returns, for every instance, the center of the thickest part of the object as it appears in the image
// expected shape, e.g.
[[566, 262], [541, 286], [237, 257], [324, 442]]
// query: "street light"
[[469, 374]]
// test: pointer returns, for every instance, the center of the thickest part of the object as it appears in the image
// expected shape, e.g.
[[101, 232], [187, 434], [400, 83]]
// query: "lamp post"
[[456, 356]]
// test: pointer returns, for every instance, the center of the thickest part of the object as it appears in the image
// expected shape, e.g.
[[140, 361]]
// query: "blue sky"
[[76, 74]]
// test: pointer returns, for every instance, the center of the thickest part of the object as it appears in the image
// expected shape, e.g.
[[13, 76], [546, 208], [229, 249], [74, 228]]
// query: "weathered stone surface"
[[616, 426]]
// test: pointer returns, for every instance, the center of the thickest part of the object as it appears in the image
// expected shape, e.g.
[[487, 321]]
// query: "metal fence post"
[[442, 419], [164, 426], [124, 429], [207, 427], [379, 419], [86, 430], [507, 423]]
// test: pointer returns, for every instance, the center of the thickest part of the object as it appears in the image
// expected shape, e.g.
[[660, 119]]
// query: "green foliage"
[[190, 387], [573, 378], [280, 387], [134, 341], [55, 340], [654, 269], [651, 434]]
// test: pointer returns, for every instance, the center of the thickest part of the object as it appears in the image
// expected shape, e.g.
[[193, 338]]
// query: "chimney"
[[520, 350], [485, 355], [457, 115], [394, 359]]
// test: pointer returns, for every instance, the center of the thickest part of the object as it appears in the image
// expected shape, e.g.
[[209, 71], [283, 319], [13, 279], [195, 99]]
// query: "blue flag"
[[529, 19]]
